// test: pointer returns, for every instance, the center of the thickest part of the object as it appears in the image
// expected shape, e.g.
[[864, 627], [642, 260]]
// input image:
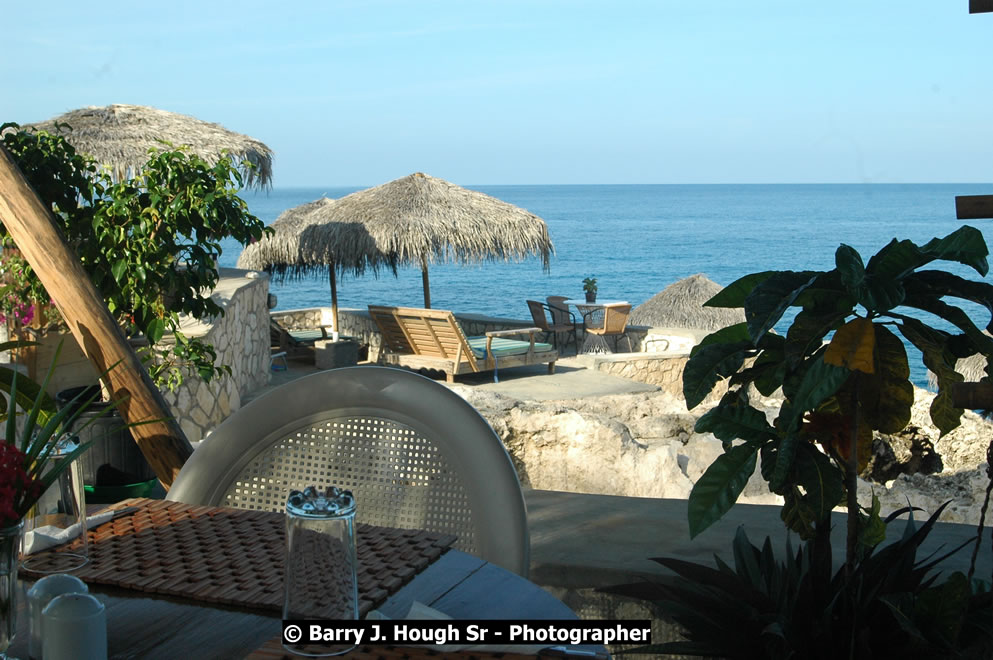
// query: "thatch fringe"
[[120, 137], [680, 305]]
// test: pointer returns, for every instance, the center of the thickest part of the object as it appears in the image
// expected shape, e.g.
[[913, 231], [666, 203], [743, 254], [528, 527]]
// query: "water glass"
[[320, 578], [58, 517]]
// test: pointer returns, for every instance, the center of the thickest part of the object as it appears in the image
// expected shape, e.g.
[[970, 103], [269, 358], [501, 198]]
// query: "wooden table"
[[140, 625]]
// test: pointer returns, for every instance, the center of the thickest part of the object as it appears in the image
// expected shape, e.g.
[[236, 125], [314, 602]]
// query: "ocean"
[[638, 239]]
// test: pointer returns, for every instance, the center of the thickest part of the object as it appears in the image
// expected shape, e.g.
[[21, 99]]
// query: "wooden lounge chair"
[[432, 339]]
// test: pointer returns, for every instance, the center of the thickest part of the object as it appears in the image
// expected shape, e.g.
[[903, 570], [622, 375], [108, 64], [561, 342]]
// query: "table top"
[[145, 625], [580, 302]]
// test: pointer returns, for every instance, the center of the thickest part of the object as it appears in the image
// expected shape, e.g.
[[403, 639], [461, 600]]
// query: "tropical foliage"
[[891, 605], [842, 369], [32, 427], [150, 244]]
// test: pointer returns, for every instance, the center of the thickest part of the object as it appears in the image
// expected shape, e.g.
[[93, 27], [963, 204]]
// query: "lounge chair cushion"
[[502, 347]]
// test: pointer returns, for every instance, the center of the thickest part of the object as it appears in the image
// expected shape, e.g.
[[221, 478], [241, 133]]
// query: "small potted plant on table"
[[589, 286]]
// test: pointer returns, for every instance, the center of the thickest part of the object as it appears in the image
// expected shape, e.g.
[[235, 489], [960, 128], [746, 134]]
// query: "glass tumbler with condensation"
[[320, 578]]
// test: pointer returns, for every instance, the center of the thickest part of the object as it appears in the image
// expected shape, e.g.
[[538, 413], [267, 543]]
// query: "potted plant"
[[843, 373], [589, 286], [31, 428]]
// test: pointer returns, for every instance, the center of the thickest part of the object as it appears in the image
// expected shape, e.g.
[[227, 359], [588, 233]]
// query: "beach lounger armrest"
[[506, 333]]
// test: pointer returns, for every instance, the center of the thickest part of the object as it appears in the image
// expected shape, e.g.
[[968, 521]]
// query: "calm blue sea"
[[638, 239]]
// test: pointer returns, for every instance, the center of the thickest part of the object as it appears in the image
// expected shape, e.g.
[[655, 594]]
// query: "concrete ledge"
[[581, 541]]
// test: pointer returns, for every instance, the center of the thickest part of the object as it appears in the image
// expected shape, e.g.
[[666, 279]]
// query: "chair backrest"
[[428, 332], [560, 310], [413, 452], [615, 319], [537, 310]]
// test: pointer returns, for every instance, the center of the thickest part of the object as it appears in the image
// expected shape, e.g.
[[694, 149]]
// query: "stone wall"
[[241, 339]]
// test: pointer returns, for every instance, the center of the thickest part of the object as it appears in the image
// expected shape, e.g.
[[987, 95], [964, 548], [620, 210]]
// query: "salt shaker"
[[74, 627], [320, 579], [39, 595]]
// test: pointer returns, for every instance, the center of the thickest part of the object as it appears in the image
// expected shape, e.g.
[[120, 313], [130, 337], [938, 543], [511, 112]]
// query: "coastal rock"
[[644, 445]]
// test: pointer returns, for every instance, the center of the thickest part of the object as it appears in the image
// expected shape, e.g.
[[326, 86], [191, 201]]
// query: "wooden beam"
[[973, 396], [973, 207], [980, 6], [34, 230]]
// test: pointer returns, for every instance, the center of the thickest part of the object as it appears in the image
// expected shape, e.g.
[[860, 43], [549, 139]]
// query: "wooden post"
[[334, 302], [425, 282], [973, 207], [34, 230]]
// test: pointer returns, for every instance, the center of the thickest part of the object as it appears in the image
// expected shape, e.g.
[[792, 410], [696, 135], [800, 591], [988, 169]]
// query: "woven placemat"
[[233, 556]]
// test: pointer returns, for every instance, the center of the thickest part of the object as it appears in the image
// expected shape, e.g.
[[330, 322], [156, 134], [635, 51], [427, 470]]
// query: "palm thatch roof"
[[120, 136], [680, 305], [414, 220], [292, 252], [420, 218]]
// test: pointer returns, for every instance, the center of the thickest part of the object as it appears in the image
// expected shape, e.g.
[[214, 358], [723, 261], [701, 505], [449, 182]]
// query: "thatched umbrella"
[[290, 251], [680, 305], [120, 136], [419, 220]]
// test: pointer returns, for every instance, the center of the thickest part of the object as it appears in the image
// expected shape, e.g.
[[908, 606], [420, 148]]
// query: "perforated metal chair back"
[[415, 454]]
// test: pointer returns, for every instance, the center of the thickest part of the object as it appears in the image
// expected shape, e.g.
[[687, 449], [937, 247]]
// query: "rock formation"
[[644, 445]]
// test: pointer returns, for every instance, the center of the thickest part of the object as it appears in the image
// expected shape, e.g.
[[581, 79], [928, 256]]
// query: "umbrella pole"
[[334, 303], [425, 282]]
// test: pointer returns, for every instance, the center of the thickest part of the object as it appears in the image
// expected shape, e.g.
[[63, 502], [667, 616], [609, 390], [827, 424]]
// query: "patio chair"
[[553, 329], [609, 320], [414, 454], [433, 339]]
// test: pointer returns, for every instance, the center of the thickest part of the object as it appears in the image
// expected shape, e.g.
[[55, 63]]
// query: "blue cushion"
[[502, 347]]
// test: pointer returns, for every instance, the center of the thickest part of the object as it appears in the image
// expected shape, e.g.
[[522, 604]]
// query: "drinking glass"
[[58, 517], [320, 579]]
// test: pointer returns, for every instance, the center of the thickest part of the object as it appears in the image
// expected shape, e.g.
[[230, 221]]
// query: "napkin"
[[48, 536]]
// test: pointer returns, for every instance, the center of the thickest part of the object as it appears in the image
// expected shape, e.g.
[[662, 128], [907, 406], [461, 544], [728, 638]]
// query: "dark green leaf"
[[965, 245], [734, 294], [944, 414], [820, 381], [894, 262], [735, 419], [767, 302], [716, 491], [850, 266], [821, 480], [708, 365]]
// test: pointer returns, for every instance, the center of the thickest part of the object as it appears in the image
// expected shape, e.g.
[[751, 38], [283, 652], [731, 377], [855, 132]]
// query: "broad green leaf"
[[820, 382], [821, 480], [945, 415], [872, 529], [734, 294], [118, 269], [853, 346], [895, 261], [767, 302], [716, 491], [807, 332], [941, 285], [888, 396], [935, 347], [965, 245], [785, 457], [155, 330], [850, 266], [735, 419], [955, 316], [729, 335], [708, 365]]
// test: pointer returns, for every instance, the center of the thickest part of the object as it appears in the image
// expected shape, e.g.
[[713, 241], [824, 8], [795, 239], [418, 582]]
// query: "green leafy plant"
[[891, 605], [32, 429], [589, 284], [149, 244], [842, 369]]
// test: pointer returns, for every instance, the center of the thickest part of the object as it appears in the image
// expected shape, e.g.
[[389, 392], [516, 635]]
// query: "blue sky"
[[537, 92]]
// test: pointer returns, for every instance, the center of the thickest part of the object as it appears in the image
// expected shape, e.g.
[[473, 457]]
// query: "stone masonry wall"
[[241, 339]]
